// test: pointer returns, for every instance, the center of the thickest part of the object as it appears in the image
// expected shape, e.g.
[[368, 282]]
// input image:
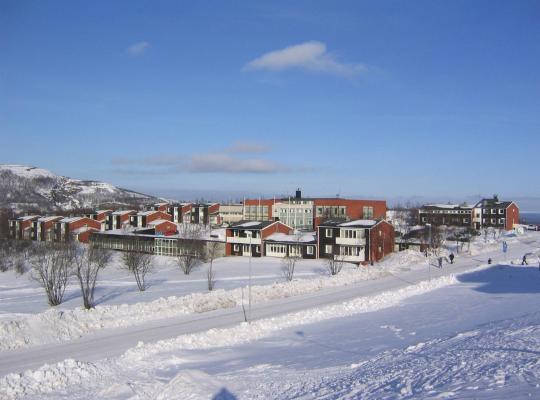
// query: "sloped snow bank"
[[498, 360], [56, 325], [69, 372]]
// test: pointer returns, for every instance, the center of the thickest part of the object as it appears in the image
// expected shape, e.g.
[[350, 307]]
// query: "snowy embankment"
[[69, 372], [63, 325]]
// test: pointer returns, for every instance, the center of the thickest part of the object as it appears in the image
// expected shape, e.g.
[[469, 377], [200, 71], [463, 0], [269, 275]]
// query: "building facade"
[[358, 241]]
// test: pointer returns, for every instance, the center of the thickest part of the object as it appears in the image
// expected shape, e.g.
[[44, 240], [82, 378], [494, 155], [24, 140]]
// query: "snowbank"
[[56, 325], [69, 372]]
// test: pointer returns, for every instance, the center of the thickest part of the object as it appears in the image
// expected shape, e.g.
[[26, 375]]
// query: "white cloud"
[[248, 148], [310, 56], [136, 49], [225, 163]]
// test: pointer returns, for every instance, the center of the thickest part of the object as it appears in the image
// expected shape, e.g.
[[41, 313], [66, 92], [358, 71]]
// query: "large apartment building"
[[307, 213], [486, 213]]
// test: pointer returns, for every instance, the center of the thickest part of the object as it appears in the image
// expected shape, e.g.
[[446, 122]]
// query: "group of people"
[[450, 257]]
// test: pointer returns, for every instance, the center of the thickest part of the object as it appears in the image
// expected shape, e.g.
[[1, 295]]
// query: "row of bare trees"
[[54, 264]]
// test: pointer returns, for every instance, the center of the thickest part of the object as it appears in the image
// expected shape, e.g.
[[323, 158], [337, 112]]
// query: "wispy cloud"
[[309, 56], [235, 159], [137, 49], [226, 163], [248, 148]]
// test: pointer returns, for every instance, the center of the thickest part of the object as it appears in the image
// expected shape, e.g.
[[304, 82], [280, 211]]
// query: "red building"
[[359, 241], [21, 227], [143, 218], [246, 237], [163, 227], [75, 228], [307, 213]]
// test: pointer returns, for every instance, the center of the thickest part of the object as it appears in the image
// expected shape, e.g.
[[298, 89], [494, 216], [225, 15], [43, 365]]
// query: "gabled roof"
[[159, 222], [69, 220], [124, 212], [145, 213], [28, 217], [49, 218]]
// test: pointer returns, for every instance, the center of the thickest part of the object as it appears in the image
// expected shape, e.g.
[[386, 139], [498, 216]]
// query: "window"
[[328, 233], [501, 220], [367, 212], [328, 249], [236, 247], [310, 250], [501, 211]]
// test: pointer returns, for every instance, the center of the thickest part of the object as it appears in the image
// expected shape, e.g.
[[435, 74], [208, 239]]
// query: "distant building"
[[119, 219], [231, 213], [484, 214], [43, 228], [307, 213], [21, 227], [495, 213], [358, 241], [75, 228], [245, 238], [143, 218], [446, 214]]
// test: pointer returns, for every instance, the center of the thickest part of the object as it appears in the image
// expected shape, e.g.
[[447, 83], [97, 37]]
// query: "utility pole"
[[249, 282]]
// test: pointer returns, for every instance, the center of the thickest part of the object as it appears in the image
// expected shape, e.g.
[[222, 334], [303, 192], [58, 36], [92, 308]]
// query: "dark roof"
[[446, 207], [250, 225], [493, 203]]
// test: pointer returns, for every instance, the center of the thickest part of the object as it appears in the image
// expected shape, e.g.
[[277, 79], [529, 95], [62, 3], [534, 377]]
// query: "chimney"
[[298, 194]]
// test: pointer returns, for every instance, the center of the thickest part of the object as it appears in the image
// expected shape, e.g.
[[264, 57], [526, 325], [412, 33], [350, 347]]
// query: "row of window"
[[294, 250]]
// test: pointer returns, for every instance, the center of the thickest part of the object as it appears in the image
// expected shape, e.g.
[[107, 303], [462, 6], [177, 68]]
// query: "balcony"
[[351, 241], [243, 240]]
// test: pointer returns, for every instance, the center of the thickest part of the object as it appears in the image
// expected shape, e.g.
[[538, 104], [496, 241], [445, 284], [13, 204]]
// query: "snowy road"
[[113, 342]]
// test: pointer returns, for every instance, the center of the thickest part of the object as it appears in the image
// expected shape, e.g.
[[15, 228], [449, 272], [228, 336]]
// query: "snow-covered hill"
[[24, 187]]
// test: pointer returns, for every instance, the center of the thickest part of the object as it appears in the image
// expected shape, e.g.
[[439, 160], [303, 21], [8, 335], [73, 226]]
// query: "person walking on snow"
[[524, 260], [451, 256], [440, 262]]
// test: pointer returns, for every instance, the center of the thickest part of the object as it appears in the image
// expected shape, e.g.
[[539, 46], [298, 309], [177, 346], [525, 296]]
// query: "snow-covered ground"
[[472, 335]]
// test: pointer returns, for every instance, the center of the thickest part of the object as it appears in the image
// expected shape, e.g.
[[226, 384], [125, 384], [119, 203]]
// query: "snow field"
[[61, 325], [69, 372]]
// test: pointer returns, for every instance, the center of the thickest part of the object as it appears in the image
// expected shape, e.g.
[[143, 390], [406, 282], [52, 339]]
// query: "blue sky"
[[381, 98]]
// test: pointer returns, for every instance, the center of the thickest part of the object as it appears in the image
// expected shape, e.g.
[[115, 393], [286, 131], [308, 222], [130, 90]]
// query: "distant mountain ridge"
[[24, 188]]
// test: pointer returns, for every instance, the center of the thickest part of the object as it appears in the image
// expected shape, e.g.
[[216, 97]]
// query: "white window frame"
[[328, 233]]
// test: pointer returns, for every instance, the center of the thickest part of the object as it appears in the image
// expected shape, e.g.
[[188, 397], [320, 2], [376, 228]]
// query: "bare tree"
[[138, 263], [52, 267], [437, 239], [334, 263], [212, 252], [289, 264], [89, 261], [190, 248], [291, 258]]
